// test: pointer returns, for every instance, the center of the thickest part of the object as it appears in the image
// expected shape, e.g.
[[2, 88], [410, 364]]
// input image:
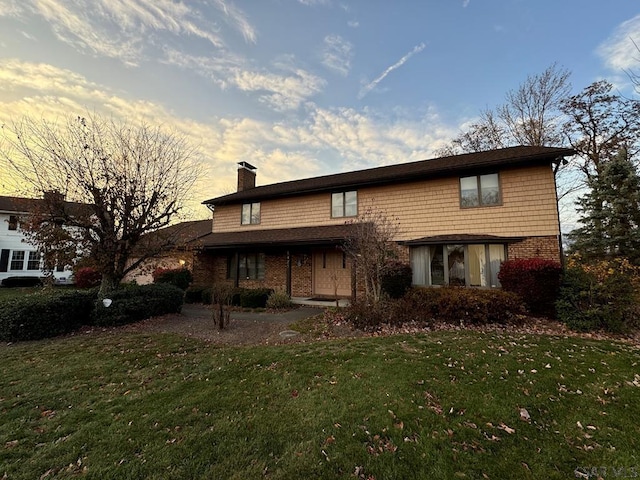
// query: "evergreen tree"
[[610, 212]]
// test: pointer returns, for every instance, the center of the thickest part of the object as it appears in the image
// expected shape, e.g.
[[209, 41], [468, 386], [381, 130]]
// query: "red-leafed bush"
[[535, 280], [87, 277]]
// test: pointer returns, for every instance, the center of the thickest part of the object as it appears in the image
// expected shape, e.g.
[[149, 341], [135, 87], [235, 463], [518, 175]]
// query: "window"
[[344, 204], [250, 214], [251, 266], [461, 265], [34, 261], [480, 191], [13, 222], [17, 260]]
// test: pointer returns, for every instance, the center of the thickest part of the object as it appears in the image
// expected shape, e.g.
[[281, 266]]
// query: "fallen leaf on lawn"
[[11, 444], [506, 428], [579, 425], [524, 415]]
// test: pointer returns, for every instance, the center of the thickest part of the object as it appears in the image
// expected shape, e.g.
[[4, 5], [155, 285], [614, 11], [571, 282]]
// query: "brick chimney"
[[246, 176]]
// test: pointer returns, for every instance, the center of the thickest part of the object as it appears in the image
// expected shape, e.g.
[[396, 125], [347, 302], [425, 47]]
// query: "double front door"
[[331, 273]]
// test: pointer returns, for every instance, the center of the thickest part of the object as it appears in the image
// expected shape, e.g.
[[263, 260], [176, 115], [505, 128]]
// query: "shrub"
[[137, 302], [180, 277], [535, 280], [87, 277], [45, 314], [254, 297], [22, 282], [195, 294], [221, 296], [279, 299], [368, 316], [471, 306], [599, 295], [453, 305], [397, 278]]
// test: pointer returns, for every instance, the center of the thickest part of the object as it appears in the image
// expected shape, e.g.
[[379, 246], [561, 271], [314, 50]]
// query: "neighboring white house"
[[17, 257]]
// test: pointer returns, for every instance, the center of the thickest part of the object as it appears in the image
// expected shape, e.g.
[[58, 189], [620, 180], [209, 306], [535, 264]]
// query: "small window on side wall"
[[250, 214], [480, 191], [13, 222], [344, 204]]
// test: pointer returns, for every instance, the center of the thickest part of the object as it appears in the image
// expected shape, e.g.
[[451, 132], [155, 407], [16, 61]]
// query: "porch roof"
[[461, 239], [317, 235]]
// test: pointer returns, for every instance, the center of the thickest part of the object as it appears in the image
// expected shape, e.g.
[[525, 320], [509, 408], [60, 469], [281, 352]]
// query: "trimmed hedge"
[[137, 302], [43, 315], [255, 297], [426, 306], [535, 280], [397, 278], [180, 277], [21, 282]]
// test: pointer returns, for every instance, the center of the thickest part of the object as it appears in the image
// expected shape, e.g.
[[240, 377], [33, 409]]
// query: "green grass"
[[437, 406], [6, 293]]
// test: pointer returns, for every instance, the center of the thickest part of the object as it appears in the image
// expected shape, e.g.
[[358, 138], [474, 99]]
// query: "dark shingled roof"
[[320, 235], [183, 234], [27, 205], [461, 238], [404, 172]]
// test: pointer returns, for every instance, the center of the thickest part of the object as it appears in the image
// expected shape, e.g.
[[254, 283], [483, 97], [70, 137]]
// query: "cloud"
[[337, 54], [353, 23], [128, 30], [619, 51], [370, 86], [465, 3]]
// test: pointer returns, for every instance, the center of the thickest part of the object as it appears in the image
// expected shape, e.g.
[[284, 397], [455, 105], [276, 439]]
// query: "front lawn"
[[442, 405]]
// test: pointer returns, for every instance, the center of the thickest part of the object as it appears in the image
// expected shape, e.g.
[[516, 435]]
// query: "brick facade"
[[547, 247]]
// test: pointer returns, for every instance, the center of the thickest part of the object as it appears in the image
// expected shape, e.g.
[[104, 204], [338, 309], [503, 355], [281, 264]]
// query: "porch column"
[[288, 280]]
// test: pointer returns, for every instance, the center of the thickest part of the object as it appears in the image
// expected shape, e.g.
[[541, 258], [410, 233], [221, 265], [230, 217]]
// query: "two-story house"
[[459, 218], [18, 258]]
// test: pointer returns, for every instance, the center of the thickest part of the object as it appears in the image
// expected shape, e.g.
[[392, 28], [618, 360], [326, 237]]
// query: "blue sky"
[[300, 87]]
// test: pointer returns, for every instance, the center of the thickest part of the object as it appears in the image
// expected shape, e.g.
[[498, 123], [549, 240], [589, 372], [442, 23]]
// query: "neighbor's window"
[[344, 204], [251, 266], [461, 265], [480, 190], [17, 260], [251, 213], [34, 261], [13, 222]]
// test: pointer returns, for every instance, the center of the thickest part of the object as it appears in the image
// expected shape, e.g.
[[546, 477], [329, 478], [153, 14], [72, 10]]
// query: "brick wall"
[[542, 247]]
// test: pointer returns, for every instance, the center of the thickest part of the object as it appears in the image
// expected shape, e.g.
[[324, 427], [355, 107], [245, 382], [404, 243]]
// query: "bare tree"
[[132, 178], [370, 246], [529, 116]]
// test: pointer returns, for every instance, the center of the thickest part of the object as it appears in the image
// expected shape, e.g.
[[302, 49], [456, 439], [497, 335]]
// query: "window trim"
[[479, 191], [343, 195], [14, 259], [33, 260], [251, 206]]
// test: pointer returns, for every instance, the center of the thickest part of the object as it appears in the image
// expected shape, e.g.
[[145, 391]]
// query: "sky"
[[300, 88]]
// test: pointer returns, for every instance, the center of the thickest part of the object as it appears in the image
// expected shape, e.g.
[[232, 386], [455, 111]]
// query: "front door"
[[331, 273]]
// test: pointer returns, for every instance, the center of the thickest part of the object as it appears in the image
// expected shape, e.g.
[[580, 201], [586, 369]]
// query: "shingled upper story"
[[473, 209]]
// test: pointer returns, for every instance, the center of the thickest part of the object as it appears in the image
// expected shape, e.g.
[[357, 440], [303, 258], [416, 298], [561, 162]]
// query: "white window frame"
[[14, 254]]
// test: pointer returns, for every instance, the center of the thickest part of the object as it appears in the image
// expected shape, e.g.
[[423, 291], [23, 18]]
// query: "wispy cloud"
[[353, 23], [619, 51], [337, 54], [370, 86], [127, 30], [465, 3]]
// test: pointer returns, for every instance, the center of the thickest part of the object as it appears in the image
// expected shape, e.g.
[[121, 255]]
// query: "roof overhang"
[[459, 239], [282, 237]]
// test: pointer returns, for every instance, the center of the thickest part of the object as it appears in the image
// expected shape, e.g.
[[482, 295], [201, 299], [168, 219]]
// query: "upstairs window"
[[344, 204], [13, 222], [250, 214], [480, 191]]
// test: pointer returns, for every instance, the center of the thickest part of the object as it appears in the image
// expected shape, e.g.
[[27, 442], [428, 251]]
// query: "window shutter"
[[4, 260]]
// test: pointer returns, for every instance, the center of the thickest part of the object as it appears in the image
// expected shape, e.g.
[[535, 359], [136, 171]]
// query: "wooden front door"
[[331, 273]]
